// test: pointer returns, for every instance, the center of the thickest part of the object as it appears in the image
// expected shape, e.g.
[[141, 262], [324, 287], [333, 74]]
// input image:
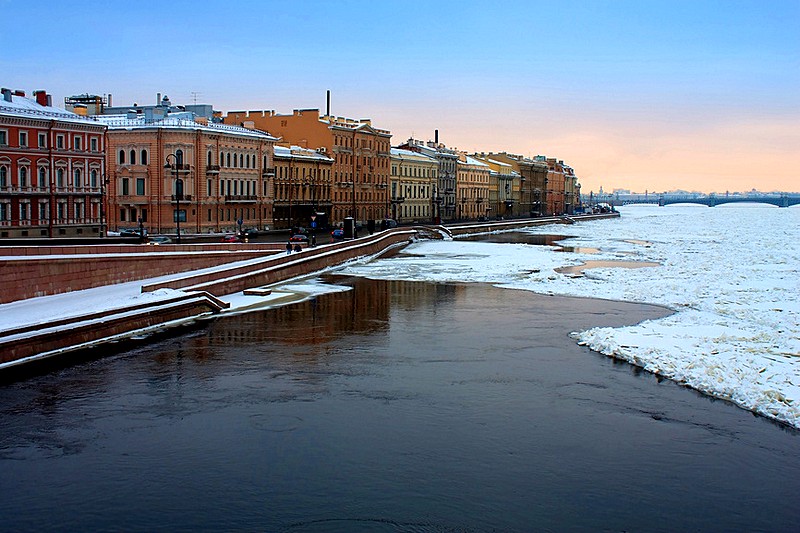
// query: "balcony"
[[212, 169], [268, 173], [240, 198], [181, 197]]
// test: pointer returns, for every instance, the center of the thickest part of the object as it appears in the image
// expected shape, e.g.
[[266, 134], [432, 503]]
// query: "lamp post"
[[175, 167]]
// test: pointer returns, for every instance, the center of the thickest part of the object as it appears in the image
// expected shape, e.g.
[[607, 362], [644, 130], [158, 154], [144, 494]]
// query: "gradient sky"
[[657, 95]]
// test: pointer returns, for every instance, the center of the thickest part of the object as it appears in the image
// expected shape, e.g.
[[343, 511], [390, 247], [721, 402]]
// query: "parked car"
[[299, 238], [159, 239], [231, 238], [390, 223], [337, 234], [251, 233], [130, 233]]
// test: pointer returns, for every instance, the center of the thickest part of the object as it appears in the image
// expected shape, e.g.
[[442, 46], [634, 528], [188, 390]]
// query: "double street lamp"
[[175, 167]]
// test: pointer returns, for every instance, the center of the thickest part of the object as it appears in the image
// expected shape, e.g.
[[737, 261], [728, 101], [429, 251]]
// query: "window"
[[133, 157], [44, 211], [93, 179], [208, 158], [76, 143], [23, 138], [179, 156], [3, 176], [121, 158], [60, 142], [144, 214], [126, 187], [140, 186], [93, 144], [228, 162], [5, 211], [61, 208], [3, 137], [60, 177], [42, 140], [23, 176], [143, 158], [42, 177], [76, 177], [209, 192], [122, 213]]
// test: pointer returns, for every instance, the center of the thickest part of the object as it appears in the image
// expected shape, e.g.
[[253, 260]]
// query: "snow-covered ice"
[[731, 273]]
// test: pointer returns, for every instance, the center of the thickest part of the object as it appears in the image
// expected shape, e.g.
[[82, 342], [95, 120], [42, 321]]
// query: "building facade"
[[412, 185], [472, 188], [360, 186], [556, 187], [532, 184], [52, 164], [303, 187], [445, 193], [167, 170], [504, 187]]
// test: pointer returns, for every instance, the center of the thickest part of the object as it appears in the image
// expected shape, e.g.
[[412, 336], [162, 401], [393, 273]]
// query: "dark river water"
[[393, 407]]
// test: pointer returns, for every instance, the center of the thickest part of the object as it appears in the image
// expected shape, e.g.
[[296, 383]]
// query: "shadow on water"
[[395, 406]]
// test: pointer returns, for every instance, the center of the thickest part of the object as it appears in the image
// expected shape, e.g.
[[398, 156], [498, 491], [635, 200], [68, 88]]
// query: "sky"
[[650, 95]]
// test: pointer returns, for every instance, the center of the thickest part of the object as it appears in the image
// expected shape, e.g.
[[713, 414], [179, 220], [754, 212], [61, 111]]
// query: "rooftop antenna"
[[195, 94]]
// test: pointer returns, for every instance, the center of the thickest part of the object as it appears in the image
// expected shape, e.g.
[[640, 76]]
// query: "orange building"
[[359, 150], [166, 169], [556, 188]]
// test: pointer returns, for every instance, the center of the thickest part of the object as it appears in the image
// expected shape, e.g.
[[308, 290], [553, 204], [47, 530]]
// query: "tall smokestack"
[[436, 136], [328, 106]]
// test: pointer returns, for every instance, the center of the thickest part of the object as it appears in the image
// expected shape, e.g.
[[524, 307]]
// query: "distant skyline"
[[694, 95]]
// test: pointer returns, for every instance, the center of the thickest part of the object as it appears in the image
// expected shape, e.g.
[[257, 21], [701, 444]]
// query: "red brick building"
[[52, 164]]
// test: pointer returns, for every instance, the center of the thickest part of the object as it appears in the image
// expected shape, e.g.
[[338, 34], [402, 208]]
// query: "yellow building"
[[412, 185], [504, 187], [472, 188]]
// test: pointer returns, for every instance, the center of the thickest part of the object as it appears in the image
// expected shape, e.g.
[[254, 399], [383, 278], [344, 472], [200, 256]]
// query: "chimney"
[[436, 136], [19, 93], [109, 99], [6, 94], [158, 98], [41, 97], [328, 107]]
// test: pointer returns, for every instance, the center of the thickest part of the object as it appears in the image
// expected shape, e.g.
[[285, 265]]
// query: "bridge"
[[783, 200]]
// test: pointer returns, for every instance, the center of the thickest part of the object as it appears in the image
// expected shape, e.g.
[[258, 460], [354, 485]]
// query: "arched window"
[[228, 162], [179, 156], [241, 161], [133, 157], [235, 161], [121, 157], [143, 157], [42, 177], [93, 178], [221, 158], [3, 176], [23, 176], [77, 177], [208, 158], [60, 177]]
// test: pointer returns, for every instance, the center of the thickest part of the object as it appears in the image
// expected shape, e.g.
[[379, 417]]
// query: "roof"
[[298, 152], [183, 121], [400, 153], [23, 107]]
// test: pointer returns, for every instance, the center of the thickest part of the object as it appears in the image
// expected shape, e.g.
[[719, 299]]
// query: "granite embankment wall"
[[30, 271]]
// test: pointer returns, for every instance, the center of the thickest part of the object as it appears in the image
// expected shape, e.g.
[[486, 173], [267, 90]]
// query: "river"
[[395, 406]]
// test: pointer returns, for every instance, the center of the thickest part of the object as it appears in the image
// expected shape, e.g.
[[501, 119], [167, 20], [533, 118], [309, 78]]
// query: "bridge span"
[[784, 200]]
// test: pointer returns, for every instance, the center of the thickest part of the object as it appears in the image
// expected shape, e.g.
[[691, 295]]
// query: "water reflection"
[[396, 406]]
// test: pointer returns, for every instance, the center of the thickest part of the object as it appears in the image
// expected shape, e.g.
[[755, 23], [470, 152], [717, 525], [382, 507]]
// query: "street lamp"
[[175, 168]]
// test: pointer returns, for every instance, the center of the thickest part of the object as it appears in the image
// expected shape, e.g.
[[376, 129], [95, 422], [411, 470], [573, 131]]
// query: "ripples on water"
[[396, 406]]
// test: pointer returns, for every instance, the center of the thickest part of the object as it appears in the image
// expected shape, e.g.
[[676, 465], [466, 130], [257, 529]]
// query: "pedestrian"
[[297, 248], [288, 247]]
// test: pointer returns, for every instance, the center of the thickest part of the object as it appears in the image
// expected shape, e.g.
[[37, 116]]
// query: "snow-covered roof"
[[298, 152], [400, 153], [23, 107], [182, 120], [475, 162]]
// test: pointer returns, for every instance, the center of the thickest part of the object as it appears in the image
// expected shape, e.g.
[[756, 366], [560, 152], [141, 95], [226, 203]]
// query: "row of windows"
[[234, 160], [62, 141], [42, 178], [414, 172], [129, 157], [26, 211]]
